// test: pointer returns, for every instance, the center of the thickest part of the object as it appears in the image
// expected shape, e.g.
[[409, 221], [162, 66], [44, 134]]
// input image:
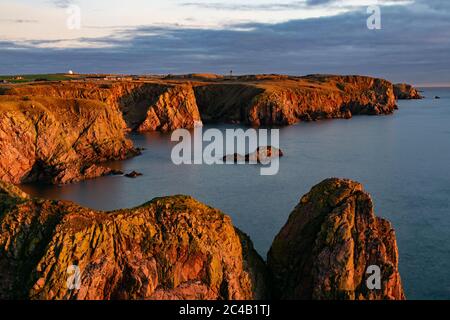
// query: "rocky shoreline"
[[177, 248], [61, 132]]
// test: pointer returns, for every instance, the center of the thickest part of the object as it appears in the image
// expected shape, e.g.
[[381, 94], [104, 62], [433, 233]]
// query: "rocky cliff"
[[60, 132], [274, 100], [325, 249], [58, 140], [168, 104], [405, 91], [169, 248], [178, 248]]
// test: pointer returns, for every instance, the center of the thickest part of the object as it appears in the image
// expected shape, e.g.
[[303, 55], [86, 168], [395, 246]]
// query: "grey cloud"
[[318, 2], [248, 7], [413, 45]]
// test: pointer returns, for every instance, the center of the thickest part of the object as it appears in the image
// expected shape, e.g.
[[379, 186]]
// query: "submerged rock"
[[133, 174], [328, 243], [264, 154], [261, 155], [169, 248]]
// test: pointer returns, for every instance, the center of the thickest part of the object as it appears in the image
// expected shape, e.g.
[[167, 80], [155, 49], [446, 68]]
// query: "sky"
[[294, 37]]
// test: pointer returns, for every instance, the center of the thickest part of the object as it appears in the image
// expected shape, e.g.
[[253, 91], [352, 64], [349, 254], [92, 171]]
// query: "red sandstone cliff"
[[406, 92], [328, 243], [60, 132], [58, 140], [178, 248], [165, 105], [169, 248]]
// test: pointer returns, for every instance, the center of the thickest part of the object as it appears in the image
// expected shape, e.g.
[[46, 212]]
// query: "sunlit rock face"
[[325, 249], [169, 248], [405, 91], [61, 132]]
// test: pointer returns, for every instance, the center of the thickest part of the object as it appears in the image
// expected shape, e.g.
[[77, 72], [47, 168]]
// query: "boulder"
[[133, 174]]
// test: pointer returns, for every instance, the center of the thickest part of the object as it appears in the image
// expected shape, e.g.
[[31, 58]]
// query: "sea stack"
[[328, 244], [405, 91]]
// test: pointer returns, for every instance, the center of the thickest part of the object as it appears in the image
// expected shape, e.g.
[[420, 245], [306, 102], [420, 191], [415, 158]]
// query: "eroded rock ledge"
[[178, 248]]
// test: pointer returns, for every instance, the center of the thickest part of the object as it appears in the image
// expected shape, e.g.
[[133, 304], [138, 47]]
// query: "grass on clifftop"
[[36, 77]]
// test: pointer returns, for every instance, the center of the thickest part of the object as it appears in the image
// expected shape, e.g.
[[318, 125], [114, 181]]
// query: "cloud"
[[413, 45], [19, 20], [248, 7], [63, 3], [292, 5]]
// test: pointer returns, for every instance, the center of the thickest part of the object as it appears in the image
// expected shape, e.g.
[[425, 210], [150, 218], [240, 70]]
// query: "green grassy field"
[[34, 77]]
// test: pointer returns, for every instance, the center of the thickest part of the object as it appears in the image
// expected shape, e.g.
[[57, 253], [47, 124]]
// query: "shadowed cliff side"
[[328, 243], [169, 248]]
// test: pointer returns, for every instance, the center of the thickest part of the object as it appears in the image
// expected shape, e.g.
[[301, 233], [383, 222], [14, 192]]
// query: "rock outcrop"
[[175, 108], [181, 102], [278, 100], [328, 243], [58, 140], [169, 248], [262, 155], [178, 248], [405, 91]]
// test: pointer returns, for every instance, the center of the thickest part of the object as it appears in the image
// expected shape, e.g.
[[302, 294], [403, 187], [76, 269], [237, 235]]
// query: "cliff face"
[[153, 106], [328, 243], [178, 248], [169, 248], [58, 140], [273, 100], [175, 108], [61, 132], [165, 105], [405, 91]]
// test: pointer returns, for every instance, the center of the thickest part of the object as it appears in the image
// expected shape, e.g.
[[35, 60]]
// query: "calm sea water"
[[403, 161]]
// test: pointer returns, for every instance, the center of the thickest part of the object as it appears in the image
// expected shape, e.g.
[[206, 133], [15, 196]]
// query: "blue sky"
[[260, 36]]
